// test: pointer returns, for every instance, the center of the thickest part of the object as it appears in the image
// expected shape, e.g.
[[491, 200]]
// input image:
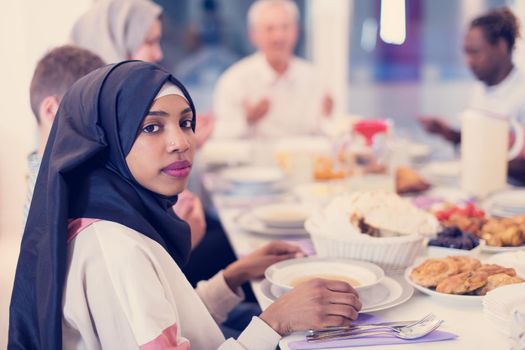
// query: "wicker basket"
[[393, 254]]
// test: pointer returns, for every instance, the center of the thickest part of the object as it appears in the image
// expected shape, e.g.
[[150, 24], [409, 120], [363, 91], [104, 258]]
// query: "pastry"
[[432, 271], [408, 181], [498, 280], [465, 263], [463, 283], [492, 269]]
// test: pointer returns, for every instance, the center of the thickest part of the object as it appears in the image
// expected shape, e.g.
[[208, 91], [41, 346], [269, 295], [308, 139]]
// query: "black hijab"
[[84, 175]]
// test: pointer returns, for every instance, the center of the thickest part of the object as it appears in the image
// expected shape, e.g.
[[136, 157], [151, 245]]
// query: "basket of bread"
[[376, 226]]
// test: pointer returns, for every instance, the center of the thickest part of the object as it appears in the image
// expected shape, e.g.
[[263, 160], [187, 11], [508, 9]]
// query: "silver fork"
[[314, 334], [407, 332]]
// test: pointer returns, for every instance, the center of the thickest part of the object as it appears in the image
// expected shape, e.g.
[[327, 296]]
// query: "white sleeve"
[[228, 107], [218, 297], [257, 336]]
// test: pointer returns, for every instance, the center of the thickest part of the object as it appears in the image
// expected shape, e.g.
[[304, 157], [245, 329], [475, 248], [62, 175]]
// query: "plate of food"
[[452, 241], [459, 278], [503, 234]]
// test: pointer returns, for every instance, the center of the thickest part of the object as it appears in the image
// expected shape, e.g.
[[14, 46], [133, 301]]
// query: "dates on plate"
[[453, 237]]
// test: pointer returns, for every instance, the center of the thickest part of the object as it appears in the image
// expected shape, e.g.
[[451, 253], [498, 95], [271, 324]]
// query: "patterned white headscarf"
[[114, 29]]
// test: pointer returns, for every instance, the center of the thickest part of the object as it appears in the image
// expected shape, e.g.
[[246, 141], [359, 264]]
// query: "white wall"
[[27, 29]]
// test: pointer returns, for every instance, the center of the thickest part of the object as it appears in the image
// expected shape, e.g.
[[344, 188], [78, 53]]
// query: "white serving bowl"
[[393, 253], [285, 275]]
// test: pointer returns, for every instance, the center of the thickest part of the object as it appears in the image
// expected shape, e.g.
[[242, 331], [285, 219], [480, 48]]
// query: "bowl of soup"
[[286, 275]]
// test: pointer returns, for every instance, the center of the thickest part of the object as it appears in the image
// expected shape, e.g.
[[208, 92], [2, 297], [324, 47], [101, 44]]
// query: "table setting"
[[358, 218]]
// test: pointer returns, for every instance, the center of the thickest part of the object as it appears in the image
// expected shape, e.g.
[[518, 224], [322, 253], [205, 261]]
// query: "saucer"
[[248, 222], [386, 294]]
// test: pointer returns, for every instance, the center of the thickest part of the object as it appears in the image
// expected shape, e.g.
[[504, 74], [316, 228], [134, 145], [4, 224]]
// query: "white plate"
[[308, 144], [490, 249], [419, 150], [442, 172], [282, 214], [449, 194], [283, 274], [386, 294], [443, 252], [247, 222], [466, 299], [506, 203], [320, 192], [253, 175]]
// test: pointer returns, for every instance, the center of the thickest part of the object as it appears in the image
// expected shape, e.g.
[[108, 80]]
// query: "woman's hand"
[[438, 126], [317, 303], [252, 266]]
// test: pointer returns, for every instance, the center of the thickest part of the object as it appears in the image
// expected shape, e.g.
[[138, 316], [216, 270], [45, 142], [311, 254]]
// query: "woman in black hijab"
[[119, 152]]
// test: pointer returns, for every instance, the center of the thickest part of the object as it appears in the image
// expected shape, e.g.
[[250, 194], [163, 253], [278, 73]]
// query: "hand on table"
[[256, 111], [252, 266], [327, 106], [189, 208], [317, 303], [438, 126]]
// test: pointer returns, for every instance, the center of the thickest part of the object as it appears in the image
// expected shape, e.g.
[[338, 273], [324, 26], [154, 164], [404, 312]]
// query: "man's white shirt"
[[295, 97], [506, 98]]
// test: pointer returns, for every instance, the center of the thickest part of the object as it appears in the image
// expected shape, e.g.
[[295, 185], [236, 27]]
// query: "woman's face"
[[162, 155], [150, 50]]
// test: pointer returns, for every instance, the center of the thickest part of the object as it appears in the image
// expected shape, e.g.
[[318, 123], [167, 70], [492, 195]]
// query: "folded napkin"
[[499, 303], [372, 340]]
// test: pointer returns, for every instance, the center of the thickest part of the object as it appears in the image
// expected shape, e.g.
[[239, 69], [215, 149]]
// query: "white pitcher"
[[485, 150]]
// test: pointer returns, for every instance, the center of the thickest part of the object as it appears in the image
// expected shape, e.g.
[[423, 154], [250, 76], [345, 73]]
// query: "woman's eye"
[[151, 128], [186, 124]]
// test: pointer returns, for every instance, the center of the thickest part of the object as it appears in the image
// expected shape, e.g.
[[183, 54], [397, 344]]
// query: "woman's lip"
[[180, 172], [180, 164]]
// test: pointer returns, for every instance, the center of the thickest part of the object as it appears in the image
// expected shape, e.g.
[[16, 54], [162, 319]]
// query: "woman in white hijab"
[[119, 30]]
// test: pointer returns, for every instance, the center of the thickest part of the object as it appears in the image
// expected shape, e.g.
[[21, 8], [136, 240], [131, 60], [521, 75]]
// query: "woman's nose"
[[178, 143]]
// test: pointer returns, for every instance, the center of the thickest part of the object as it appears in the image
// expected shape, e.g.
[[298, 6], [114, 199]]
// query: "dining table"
[[464, 319]]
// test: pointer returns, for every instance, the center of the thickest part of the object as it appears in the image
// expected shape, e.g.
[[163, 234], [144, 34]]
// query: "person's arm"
[[131, 306], [438, 126], [516, 169], [223, 292]]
